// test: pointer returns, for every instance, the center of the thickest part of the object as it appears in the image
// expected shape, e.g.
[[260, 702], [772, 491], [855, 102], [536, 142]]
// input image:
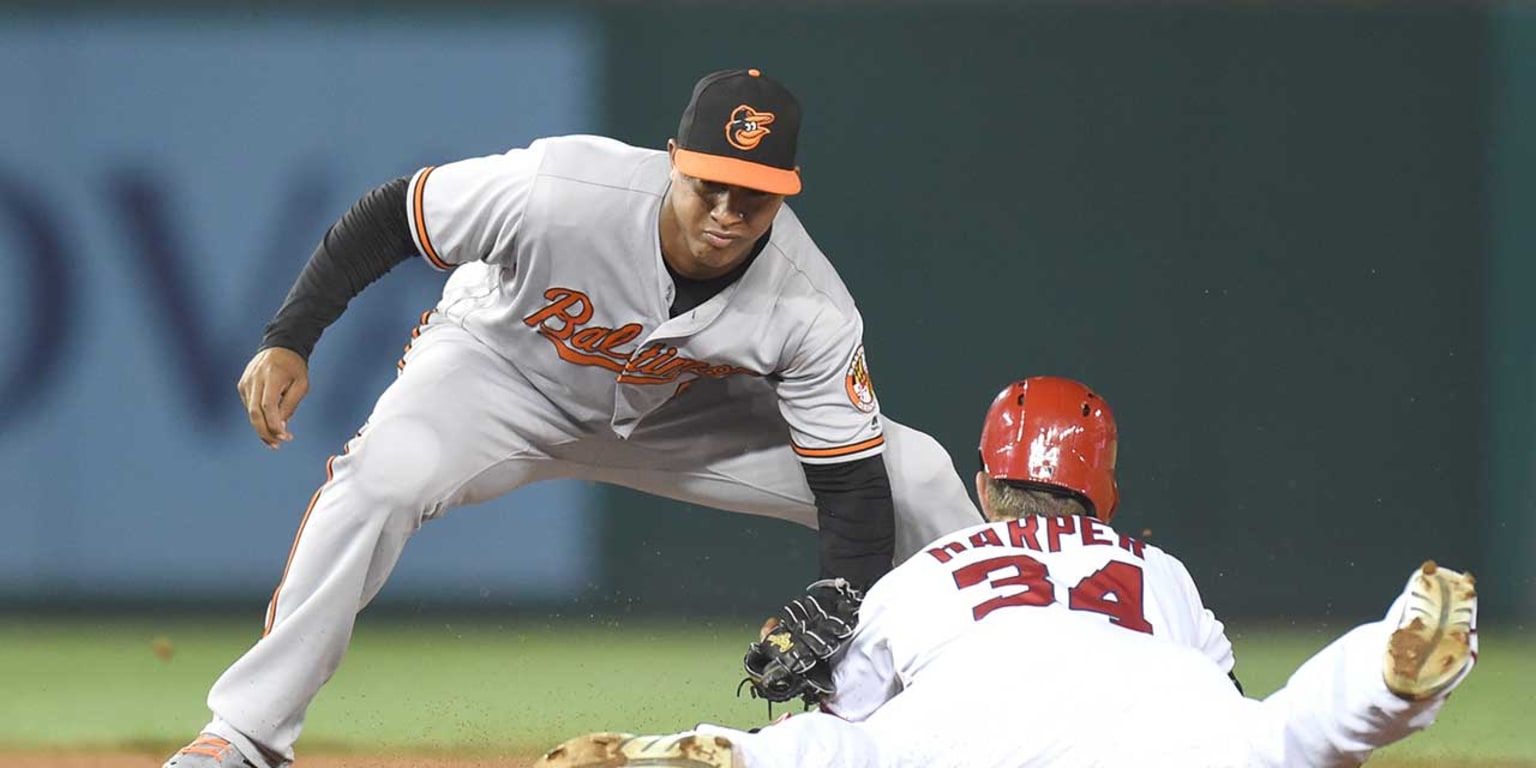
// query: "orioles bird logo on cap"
[[747, 127]]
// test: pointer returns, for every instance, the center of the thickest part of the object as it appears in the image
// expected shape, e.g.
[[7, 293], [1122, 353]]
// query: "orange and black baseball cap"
[[741, 128]]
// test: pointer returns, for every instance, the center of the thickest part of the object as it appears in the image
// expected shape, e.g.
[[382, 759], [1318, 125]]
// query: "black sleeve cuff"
[[857, 519]]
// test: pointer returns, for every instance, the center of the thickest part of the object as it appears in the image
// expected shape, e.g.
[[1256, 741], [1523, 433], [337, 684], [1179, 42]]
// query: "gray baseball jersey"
[[553, 354], [605, 349]]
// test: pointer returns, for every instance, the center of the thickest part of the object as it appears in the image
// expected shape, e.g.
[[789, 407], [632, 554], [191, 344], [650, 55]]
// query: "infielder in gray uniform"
[[659, 320]]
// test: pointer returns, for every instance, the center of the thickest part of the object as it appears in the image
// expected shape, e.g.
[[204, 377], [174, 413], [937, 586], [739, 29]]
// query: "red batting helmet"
[[1052, 431]]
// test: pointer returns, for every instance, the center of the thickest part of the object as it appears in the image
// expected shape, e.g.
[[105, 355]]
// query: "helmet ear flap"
[[1056, 432]]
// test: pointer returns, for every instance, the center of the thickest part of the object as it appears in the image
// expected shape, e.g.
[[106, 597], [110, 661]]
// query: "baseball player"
[[659, 320], [1046, 637]]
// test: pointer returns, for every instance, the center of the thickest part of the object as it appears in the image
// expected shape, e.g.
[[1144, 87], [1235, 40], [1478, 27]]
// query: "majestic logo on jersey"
[[747, 127], [861, 391], [563, 322]]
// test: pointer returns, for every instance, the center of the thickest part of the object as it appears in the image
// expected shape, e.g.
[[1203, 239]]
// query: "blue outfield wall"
[[161, 183]]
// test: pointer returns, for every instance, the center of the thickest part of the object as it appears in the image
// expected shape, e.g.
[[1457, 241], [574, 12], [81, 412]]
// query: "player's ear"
[[672, 149], [981, 495]]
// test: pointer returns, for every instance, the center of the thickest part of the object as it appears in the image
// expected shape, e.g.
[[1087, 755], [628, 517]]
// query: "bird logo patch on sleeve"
[[861, 391]]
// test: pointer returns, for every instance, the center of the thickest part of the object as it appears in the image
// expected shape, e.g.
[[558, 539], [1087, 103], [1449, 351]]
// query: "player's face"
[[708, 228]]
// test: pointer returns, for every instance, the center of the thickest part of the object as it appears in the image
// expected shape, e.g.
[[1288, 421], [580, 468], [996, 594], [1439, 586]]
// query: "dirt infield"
[[146, 760]]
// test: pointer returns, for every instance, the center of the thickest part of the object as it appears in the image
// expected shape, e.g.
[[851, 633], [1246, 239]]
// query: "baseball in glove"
[[792, 659]]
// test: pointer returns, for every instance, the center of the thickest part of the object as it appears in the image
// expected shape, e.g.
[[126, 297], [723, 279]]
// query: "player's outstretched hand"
[[274, 382]]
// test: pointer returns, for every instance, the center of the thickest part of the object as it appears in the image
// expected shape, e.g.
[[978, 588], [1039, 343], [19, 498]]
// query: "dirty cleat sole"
[[1433, 640], [610, 750]]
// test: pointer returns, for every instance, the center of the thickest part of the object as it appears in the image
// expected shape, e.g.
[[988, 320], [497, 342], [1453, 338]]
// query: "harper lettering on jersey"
[[564, 322], [1026, 534]]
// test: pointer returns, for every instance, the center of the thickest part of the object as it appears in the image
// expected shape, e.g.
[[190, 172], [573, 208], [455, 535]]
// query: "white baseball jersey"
[[1019, 578], [1059, 643], [539, 286]]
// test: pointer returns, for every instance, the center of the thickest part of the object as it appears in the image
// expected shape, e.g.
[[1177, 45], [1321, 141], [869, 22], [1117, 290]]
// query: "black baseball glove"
[[792, 660]]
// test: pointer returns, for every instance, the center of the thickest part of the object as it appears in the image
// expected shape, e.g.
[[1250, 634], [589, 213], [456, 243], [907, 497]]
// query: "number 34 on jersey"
[[1009, 565]]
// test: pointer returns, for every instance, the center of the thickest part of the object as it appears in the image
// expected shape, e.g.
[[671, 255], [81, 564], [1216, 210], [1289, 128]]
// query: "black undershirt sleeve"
[[367, 241], [857, 519]]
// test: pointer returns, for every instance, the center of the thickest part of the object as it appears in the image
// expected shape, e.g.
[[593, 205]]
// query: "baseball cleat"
[[609, 750], [208, 751], [1433, 640]]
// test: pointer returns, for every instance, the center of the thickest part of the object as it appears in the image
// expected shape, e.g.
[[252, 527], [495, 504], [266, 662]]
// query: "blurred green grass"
[[491, 687]]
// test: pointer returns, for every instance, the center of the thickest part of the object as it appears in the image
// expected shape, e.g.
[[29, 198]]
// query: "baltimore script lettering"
[[563, 322]]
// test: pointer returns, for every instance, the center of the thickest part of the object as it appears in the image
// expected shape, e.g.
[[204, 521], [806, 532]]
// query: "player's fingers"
[[253, 394], [246, 387], [289, 404], [249, 388], [768, 626], [273, 387]]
